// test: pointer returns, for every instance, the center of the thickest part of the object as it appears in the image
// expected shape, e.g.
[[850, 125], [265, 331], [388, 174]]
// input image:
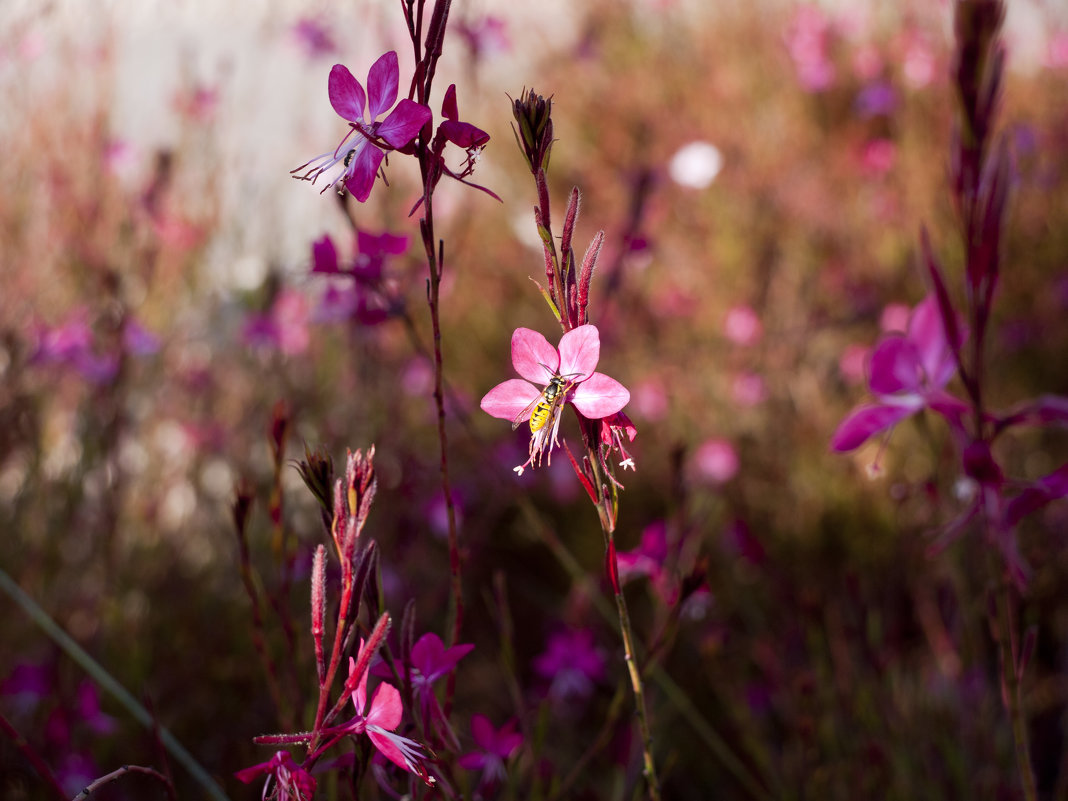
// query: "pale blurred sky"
[[273, 112]]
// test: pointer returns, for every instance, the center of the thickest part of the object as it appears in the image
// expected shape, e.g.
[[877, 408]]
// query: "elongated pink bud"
[[318, 608]]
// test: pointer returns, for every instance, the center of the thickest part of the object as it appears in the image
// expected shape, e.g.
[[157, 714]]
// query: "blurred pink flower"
[[572, 664], [650, 399], [895, 317], [284, 327], [716, 460], [851, 363], [742, 326], [647, 560], [567, 375], [361, 158], [878, 156], [1057, 53], [807, 40], [485, 36], [748, 389], [908, 373], [313, 37], [494, 748]]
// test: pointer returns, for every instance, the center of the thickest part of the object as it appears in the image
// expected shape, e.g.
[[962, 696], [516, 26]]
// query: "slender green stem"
[[107, 682], [1013, 696]]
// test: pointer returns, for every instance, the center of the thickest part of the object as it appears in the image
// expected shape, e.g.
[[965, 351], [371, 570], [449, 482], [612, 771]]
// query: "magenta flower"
[[379, 719], [361, 152], [572, 664], [494, 748], [908, 373], [291, 781], [554, 378]]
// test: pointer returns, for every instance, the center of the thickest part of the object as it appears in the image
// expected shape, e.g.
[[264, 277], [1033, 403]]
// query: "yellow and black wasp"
[[542, 410]]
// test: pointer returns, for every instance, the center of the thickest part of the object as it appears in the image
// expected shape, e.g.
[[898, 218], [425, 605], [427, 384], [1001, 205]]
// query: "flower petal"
[[580, 350], [865, 422], [324, 255], [386, 709], [927, 332], [508, 399], [449, 109], [599, 395], [382, 81], [362, 171], [895, 366], [346, 94], [401, 126], [533, 357], [463, 134]]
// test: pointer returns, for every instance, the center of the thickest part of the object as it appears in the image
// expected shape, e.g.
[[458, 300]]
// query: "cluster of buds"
[[533, 115]]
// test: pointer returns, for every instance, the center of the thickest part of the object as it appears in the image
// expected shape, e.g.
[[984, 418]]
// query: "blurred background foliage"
[[825, 647]]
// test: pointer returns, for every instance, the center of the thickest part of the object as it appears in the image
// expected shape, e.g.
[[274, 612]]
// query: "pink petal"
[[533, 357], [895, 366], [386, 709], [324, 255], [385, 742], [363, 171], [599, 395], [865, 422], [346, 94], [359, 695], [927, 332], [483, 732], [580, 349], [508, 399], [463, 134], [401, 126], [382, 83]]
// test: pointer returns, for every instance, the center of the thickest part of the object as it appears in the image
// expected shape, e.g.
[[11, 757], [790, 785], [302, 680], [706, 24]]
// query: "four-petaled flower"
[[292, 782], [361, 152], [495, 747], [554, 378], [379, 719], [909, 373]]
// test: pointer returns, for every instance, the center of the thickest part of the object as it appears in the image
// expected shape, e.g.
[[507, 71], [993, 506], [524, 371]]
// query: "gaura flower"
[[552, 379], [494, 748], [908, 373], [378, 719], [361, 152]]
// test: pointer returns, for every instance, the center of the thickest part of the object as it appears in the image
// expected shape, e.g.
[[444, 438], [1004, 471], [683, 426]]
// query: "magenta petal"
[[324, 255], [385, 744], [401, 126], [346, 94], [599, 396], [386, 709], [363, 170], [508, 399], [449, 109], [580, 350], [463, 134], [927, 333], [533, 357], [865, 422], [382, 84], [895, 367]]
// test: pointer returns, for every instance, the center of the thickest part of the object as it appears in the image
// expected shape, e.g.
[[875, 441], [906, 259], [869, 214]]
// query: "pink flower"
[[495, 747], [378, 719], [361, 158], [908, 374], [554, 378], [716, 461], [742, 326]]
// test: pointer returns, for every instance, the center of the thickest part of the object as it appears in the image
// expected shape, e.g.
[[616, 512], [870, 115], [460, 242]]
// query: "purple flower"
[[572, 664], [367, 298], [313, 36], [495, 747], [361, 152], [908, 373]]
